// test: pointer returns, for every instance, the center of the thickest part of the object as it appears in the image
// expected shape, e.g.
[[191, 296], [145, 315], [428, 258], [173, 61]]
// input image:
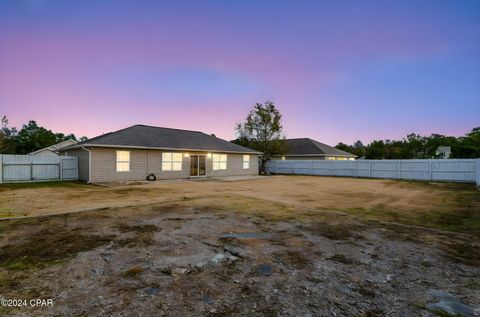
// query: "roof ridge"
[[153, 126]]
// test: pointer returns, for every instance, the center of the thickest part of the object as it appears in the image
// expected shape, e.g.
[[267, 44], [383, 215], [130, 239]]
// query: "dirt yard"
[[271, 246]]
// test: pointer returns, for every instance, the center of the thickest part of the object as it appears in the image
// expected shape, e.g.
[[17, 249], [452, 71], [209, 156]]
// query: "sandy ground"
[[315, 192], [277, 246], [186, 260]]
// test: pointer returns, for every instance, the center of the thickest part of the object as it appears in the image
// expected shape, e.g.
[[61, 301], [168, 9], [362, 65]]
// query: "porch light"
[[209, 155], [186, 155]]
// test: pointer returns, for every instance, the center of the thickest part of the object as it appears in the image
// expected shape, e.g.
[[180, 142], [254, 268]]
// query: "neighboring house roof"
[[56, 147], [309, 147], [143, 136], [443, 149]]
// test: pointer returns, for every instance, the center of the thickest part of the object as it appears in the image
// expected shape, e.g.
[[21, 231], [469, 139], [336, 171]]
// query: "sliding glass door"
[[197, 165]]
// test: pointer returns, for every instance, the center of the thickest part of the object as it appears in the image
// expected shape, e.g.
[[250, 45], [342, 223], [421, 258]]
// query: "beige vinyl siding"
[[144, 162], [234, 166], [83, 163]]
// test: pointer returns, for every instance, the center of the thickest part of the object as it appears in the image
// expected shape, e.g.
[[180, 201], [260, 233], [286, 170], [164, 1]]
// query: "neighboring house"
[[54, 149], [443, 152], [308, 149], [138, 151]]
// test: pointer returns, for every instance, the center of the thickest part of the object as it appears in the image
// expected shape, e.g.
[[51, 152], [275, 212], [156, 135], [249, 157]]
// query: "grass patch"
[[373, 313], [342, 259], [366, 290], [66, 184], [143, 239], [462, 251], [137, 228], [334, 232], [459, 211], [143, 235], [293, 258], [47, 247]]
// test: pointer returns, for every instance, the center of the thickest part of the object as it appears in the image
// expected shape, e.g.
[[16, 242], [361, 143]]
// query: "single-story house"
[[142, 151], [308, 149], [54, 149], [443, 152]]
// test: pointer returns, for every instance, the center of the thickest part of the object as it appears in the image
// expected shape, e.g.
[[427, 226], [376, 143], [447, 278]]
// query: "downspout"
[[89, 164]]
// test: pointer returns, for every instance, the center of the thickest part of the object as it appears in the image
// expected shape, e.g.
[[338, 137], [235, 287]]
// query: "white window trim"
[[171, 162], [246, 162], [117, 161], [219, 162]]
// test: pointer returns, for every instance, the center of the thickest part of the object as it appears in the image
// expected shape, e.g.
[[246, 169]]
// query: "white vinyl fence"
[[455, 170], [35, 168]]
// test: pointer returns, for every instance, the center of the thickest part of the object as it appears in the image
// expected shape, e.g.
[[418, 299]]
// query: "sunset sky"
[[337, 70]]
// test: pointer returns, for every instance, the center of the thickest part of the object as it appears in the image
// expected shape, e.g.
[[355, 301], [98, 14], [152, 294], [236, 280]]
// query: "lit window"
[[219, 162], [123, 161], [171, 161], [283, 158], [246, 162]]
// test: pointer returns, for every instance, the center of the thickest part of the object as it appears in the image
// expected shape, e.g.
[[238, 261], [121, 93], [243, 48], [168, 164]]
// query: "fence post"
[[60, 167], [1, 168], [477, 170], [431, 171], [293, 168], [311, 170], [275, 166], [356, 171], [369, 169], [31, 170], [399, 166]]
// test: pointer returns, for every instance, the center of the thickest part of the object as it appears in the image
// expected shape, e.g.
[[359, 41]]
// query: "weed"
[[294, 258], [47, 247], [366, 290], [133, 272], [334, 232], [462, 251], [137, 228], [342, 259]]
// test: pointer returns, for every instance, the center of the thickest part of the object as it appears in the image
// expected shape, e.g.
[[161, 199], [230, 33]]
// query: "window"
[[123, 161], [219, 162], [283, 158], [171, 161], [246, 162]]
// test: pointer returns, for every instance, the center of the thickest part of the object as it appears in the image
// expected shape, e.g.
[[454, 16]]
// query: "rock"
[[200, 265], [165, 270], [180, 271], [151, 291], [218, 258], [234, 251], [207, 300], [232, 258], [388, 278], [450, 304], [263, 269], [97, 271]]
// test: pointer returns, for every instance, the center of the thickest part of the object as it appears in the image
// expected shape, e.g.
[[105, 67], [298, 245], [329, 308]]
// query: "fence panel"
[[34, 168], [454, 170]]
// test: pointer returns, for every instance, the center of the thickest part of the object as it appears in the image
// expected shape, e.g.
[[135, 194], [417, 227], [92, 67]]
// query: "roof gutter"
[[306, 155], [89, 164], [158, 148]]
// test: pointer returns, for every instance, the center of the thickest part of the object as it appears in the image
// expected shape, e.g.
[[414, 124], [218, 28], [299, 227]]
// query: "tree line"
[[415, 146], [29, 138]]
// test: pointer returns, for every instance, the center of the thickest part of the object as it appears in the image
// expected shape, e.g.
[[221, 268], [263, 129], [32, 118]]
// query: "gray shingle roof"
[[156, 137], [306, 146]]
